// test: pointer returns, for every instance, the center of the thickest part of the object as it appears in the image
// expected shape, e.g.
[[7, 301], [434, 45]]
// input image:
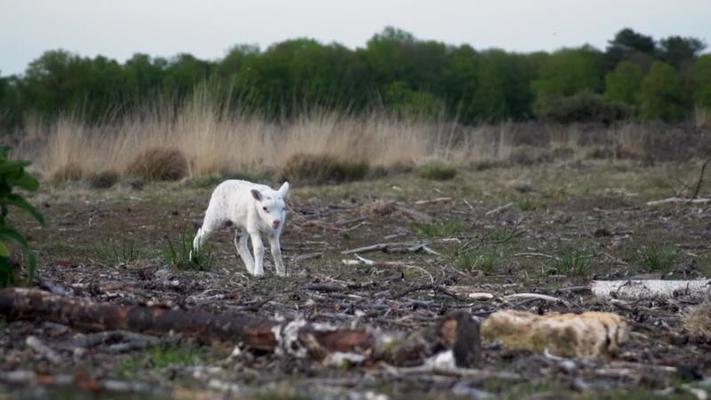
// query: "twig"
[[436, 288], [498, 209], [700, 181], [535, 296], [533, 254], [402, 247], [435, 200], [702, 200]]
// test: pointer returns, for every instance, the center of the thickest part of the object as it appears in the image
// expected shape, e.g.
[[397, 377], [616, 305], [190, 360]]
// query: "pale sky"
[[207, 28]]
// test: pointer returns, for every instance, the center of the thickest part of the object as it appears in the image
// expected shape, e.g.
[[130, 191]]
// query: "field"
[[547, 228]]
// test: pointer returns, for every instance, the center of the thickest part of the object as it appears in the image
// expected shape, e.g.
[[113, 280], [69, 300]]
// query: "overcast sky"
[[207, 28]]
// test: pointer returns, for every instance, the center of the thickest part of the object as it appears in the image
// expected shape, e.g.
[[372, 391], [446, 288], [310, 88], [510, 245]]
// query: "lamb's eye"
[[265, 209]]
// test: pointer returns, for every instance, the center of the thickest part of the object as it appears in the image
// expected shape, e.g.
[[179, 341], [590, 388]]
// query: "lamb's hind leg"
[[240, 241]]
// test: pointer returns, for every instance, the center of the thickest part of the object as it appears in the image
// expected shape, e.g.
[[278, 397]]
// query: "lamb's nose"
[[276, 223]]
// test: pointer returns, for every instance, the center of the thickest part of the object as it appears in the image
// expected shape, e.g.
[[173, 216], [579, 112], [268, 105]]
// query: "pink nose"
[[275, 224]]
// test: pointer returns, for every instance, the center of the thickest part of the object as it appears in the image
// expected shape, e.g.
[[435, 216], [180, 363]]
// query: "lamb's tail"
[[196, 244]]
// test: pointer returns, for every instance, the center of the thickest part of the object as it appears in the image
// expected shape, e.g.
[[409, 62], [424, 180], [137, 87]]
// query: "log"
[[652, 288], [457, 331]]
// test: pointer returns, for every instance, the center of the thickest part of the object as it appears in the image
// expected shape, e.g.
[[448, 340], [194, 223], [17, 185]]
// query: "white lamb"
[[253, 209]]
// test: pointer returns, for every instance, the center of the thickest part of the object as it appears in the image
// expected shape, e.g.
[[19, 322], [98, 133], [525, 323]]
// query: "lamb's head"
[[271, 205]]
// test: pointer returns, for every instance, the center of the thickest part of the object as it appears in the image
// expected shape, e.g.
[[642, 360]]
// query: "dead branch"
[[396, 247], [700, 181], [457, 331], [536, 296], [652, 288], [679, 200]]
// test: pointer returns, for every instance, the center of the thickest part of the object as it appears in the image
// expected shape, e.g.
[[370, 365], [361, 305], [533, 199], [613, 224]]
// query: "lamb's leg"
[[258, 248], [243, 251], [275, 247]]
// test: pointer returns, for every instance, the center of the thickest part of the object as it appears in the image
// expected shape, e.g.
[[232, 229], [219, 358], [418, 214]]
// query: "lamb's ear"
[[256, 194], [284, 189]]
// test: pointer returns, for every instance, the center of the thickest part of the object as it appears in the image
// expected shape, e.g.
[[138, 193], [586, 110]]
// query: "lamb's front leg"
[[243, 251], [275, 247], [258, 248]]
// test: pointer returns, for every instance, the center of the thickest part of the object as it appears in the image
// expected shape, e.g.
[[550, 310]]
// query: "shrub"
[[437, 171], [69, 172], [12, 175], [322, 168], [160, 164], [104, 179], [581, 107]]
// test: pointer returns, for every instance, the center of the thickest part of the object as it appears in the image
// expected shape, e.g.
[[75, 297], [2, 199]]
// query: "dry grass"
[[216, 142]]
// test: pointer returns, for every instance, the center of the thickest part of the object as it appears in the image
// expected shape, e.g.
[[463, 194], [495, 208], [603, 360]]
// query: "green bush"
[[580, 107], [437, 171], [12, 175]]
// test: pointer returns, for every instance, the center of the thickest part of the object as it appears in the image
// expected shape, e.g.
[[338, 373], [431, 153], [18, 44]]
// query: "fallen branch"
[[401, 247], [701, 180], [702, 200], [457, 331], [652, 288]]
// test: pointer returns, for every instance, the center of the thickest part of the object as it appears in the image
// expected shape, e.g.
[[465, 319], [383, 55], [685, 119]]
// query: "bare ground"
[[546, 229]]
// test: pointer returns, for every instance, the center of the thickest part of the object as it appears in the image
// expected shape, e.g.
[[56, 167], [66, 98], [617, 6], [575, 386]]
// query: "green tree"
[[623, 84], [143, 77], [680, 51], [702, 81], [661, 95], [569, 71], [630, 45]]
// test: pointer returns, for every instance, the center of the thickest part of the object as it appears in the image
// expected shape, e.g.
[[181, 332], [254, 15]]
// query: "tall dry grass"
[[218, 142]]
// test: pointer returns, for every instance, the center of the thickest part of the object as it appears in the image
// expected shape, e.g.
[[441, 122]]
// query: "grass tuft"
[[573, 263], [470, 261], [437, 229], [177, 254], [656, 258], [437, 171]]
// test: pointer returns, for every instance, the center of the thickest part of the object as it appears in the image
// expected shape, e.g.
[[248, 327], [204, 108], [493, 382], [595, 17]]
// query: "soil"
[[566, 226]]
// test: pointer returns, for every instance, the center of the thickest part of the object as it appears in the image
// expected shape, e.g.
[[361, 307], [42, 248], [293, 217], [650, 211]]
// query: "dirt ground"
[[548, 229]]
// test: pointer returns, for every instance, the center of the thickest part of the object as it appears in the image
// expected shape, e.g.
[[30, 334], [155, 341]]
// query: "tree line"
[[635, 77]]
